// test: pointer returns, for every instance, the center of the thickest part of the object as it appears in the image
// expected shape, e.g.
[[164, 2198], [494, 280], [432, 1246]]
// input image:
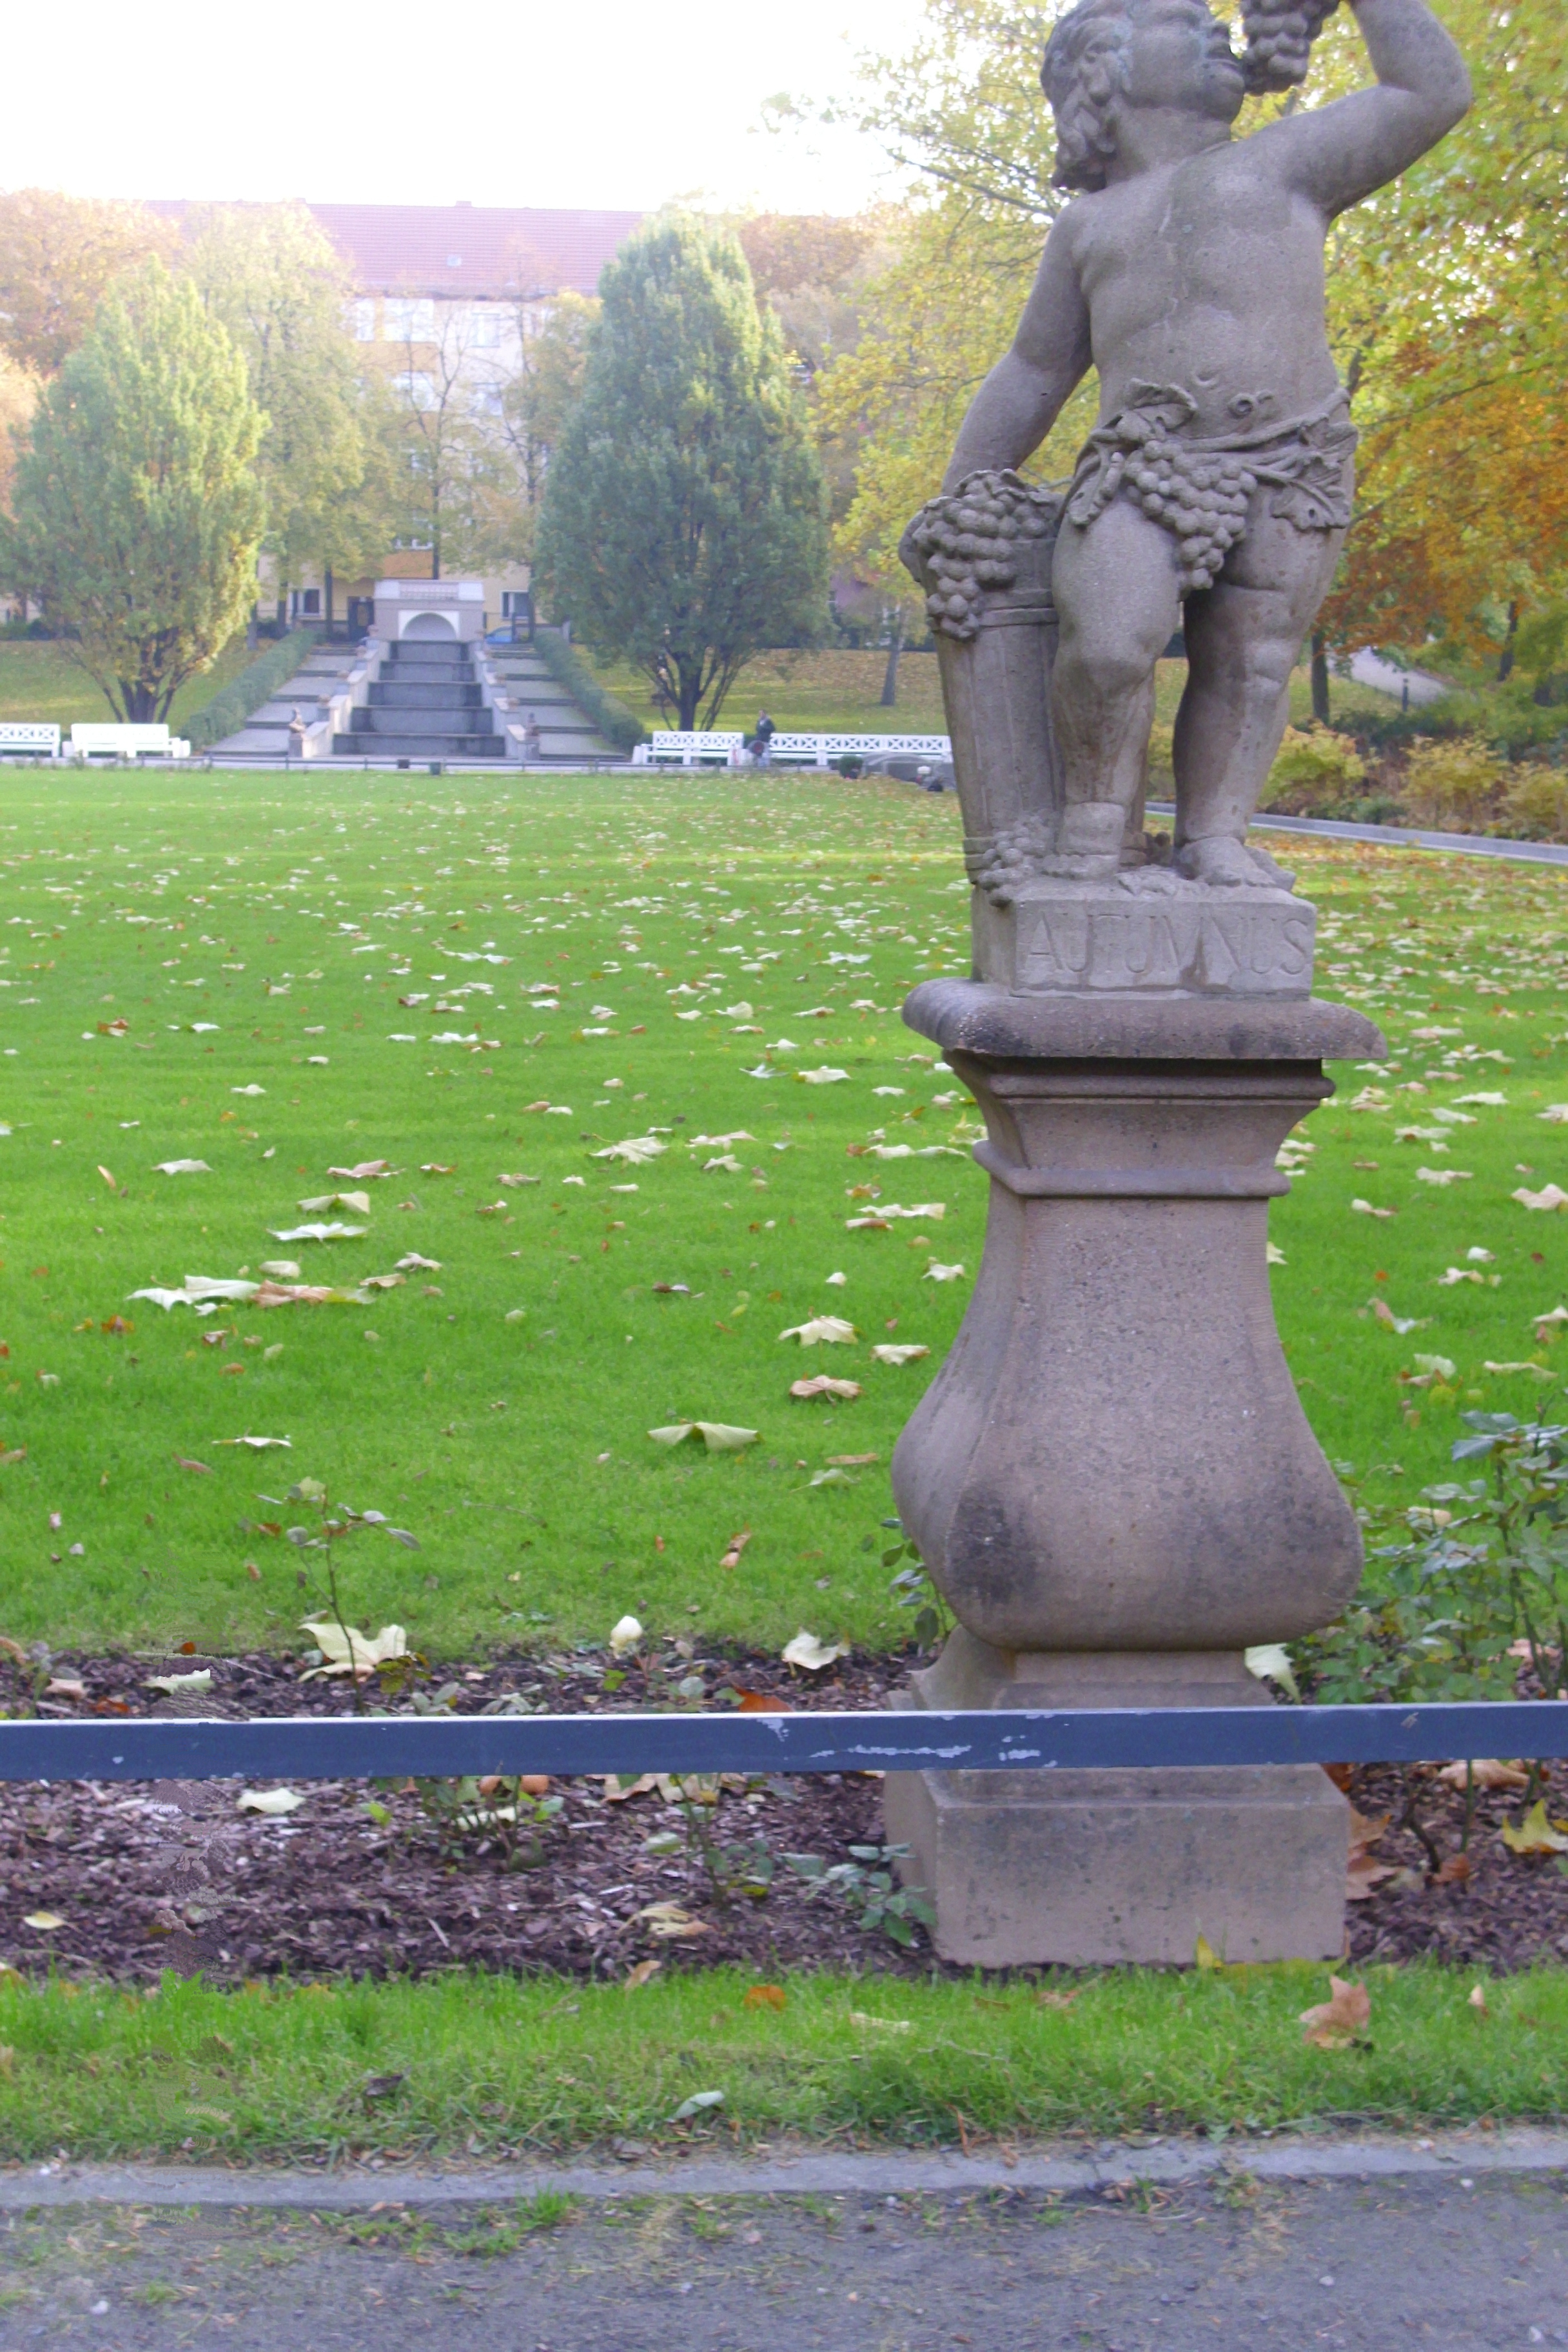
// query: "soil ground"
[[172, 1876]]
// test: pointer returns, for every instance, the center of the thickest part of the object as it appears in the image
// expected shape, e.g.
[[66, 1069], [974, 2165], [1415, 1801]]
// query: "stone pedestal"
[[1112, 1479]]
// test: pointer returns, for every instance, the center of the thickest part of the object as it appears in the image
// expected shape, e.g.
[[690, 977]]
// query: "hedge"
[[617, 725], [232, 705]]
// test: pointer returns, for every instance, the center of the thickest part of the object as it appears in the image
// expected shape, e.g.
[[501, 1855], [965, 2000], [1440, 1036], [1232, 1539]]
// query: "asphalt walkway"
[[1234, 2259]]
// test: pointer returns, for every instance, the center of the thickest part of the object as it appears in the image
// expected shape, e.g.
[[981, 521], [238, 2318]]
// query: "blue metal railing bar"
[[342, 1748]]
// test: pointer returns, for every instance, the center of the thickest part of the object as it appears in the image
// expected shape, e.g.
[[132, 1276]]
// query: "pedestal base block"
[[1135, 1867], [1127, 936], [1083, 1869]]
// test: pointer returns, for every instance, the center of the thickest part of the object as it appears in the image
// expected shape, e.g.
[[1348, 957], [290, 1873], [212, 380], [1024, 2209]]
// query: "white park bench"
[[692, 749], [28, 738], [116, 740]]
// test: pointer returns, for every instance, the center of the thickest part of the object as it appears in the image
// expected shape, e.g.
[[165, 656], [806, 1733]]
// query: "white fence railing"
[[671, 747]]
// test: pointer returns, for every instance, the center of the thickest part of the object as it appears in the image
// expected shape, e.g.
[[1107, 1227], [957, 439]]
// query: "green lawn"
[[260, 934], [482, 2066], [838, 692], [39, 680]]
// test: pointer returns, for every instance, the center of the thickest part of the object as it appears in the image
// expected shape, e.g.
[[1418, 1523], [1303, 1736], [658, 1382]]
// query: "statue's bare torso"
[[1206, 273]]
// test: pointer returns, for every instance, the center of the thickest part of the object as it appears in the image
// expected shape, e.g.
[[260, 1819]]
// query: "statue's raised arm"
[[1338, 153]]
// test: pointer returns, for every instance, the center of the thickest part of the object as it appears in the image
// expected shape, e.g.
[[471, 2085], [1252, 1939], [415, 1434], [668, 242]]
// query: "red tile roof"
[[501, 250]]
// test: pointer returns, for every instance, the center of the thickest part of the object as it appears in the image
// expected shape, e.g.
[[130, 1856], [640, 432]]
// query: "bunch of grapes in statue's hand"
[[1279, 37]]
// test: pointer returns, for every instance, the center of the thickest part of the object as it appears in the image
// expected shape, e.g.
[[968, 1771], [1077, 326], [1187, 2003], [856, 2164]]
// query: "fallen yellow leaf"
[[1534, 1833]]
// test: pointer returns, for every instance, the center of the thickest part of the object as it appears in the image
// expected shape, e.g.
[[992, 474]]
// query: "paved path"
[[1456, 844], [1370, 669], [1237, 2261]]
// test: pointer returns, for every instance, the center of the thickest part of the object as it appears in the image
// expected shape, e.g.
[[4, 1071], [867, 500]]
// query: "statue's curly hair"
[[1083, 70]]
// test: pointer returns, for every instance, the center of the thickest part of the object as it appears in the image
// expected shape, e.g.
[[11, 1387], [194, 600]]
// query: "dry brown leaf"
[[1365, 1829], [751, 1702], [1453, 1870], [1478, 2002], [1363, 1877], [1488, 1772], [736, 1546], [764, 1996], [617, 1792], [823, 1385], [639, 1976], [1335, 2022]]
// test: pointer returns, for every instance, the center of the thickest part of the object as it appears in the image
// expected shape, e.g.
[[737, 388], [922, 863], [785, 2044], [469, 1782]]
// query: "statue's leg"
[[1244, 638], [1115, 584]]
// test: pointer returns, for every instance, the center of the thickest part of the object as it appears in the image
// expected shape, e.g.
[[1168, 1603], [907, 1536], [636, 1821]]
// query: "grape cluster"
[[1202, 501], [959, 547], [1279, 37], [1014, 854]]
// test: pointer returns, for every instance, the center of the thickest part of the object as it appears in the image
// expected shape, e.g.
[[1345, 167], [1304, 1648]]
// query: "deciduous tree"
[[138, 509], [280, 290]]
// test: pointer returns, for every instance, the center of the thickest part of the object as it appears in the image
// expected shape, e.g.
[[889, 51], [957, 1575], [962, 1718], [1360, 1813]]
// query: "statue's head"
[[1106, 55]]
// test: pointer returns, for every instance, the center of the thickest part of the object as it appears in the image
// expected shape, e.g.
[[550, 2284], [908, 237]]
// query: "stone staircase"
[[567, 738], [426, 705]]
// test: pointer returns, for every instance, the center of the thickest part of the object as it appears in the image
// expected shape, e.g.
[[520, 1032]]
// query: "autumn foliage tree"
[[1447, 312], [59, 255], [137, 507]]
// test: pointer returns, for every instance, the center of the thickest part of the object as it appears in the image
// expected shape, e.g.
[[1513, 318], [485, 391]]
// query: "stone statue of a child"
[[1190, 272]]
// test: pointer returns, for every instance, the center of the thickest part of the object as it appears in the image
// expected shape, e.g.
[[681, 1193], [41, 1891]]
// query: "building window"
[[361, 322], [417, 388], [487, 400], [486, 328], [410, 320], [313, 604]]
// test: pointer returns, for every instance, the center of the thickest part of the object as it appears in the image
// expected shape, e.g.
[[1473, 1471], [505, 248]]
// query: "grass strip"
[[494, 2065]]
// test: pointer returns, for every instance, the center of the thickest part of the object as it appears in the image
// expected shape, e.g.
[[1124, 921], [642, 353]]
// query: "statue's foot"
[[1083, 865], [1230, 865], [1150, 881], [1277, 876]]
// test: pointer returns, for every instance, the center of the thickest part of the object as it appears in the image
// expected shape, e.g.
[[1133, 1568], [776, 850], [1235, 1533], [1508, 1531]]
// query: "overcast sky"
[[619, 103]]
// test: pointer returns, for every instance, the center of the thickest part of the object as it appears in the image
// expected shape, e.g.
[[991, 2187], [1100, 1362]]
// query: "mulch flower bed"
[[145, 1878]]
